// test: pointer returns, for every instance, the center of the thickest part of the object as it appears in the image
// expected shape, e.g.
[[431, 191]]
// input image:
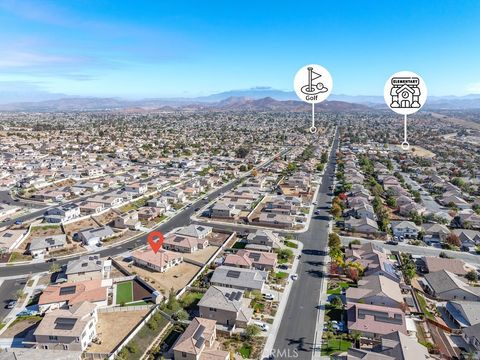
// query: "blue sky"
[[137, 49]]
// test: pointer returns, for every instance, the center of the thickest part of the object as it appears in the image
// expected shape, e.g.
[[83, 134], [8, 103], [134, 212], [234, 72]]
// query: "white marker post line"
[[313, 129], [405, 144]]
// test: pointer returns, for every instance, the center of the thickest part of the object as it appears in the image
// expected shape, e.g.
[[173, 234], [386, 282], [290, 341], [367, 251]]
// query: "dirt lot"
[[72, 228], [22, 327], [176, 277], [217, 239], [107, 217], [417, 151], [113, 327], [202, 255]]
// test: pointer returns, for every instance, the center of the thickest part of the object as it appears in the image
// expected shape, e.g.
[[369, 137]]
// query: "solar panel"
[[233, 274], [65, 323], [68, 290], [238, 295], [199, 332], [199, 343], [254, 256]]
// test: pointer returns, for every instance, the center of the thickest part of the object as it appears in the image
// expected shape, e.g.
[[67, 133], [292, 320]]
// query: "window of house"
[[184, 354], [51, 337], [65, 347]]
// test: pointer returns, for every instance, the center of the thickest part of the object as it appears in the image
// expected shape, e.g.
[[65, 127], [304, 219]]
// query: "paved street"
[[296, 336]]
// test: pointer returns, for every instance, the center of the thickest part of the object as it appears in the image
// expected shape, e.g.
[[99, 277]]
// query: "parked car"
[[261, 325], [11, 304], [268, 296], [317, 212], [283, 266], [18, 222], [294, 277]]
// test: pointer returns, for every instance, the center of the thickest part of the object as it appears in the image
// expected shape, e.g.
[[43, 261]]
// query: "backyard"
[[124, 292]]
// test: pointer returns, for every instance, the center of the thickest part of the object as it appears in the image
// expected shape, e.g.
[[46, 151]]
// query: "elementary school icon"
[[405, 92]]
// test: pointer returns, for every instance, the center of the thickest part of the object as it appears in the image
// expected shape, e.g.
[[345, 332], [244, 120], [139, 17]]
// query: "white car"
[[261, 325], [294, 277], [268, 296]]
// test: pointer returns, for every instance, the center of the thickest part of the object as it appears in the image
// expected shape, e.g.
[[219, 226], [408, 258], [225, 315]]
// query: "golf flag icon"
[[311, 88]]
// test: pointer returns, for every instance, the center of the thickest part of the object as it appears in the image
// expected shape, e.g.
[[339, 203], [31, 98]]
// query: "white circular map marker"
[[313, 84], [405, 92]]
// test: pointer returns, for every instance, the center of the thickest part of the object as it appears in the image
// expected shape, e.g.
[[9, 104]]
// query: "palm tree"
[[356, 335]]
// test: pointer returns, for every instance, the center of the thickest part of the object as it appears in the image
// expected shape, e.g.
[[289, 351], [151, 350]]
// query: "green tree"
[[337, 302], [334, 240], [251, 331], [54, 268], [472, 276]]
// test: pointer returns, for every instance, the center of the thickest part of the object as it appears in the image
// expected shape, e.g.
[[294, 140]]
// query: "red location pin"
[[155, 240]]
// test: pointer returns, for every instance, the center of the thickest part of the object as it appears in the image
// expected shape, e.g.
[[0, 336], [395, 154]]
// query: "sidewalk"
[[267, 350]]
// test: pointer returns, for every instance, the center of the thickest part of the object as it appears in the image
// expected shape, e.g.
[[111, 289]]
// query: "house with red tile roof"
[[252, 259], [160, 261], [71, 293], [374, 321]]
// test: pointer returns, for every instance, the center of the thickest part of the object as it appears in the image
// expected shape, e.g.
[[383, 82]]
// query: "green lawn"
[[190, 299], [335, 345], [338, 289], [281, 275], [423, 306], [245, 351], [290, 244], [124, 292]]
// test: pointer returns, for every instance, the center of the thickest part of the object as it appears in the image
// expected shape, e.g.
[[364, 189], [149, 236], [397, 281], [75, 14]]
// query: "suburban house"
[[198, 342], [434, 264], [373, 321], [263, 240], [224, 211], [137, 188], [93, 236], [72, 328], [252, 259], [393, 346], [71, 293], [373, 259], [463, 313], [91, 208], [184, 243], [88, 267], [274, 220], [226, 306], [175, 195], [363, 225], [10, 239], [471, 335], [149, 213], [129, 220], [405, 229], [238, 278], [40, 246], [197, 231], [62, 214], [160, 261], [445, 285], [376, 290]]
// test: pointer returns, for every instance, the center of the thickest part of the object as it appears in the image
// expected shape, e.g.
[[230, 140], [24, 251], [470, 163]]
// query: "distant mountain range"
[[259, 99]]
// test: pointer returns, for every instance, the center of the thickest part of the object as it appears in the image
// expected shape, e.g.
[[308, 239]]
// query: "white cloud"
[[474, 88]]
